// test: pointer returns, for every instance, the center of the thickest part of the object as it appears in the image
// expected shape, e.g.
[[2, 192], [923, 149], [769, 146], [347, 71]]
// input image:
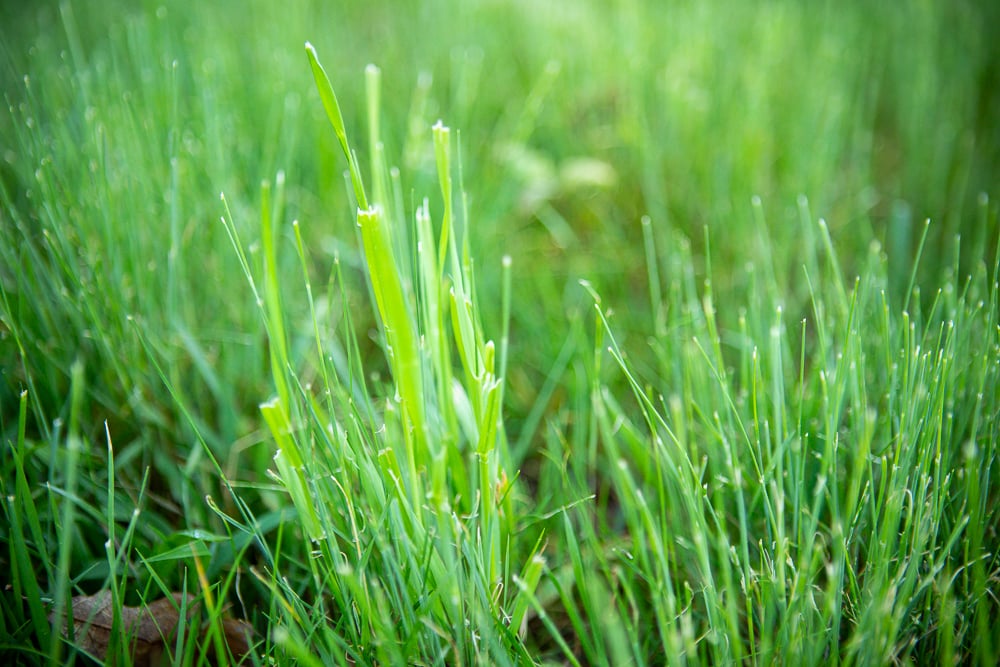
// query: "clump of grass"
[[814, 491], [402, 489]]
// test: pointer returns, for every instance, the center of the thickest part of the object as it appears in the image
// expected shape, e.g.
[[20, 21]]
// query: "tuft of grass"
[[420, 461], [806, 491]]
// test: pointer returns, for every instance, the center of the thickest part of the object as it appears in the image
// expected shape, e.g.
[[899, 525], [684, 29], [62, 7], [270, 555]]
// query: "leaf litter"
[[150, 629]]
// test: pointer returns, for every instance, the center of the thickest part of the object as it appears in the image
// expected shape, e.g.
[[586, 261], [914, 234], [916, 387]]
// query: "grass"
[[643, 354]]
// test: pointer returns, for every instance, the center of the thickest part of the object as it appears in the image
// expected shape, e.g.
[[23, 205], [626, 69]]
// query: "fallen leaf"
[[239, 637], [148, 628]]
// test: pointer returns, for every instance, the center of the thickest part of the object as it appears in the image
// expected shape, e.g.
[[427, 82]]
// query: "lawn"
[[499, 332]]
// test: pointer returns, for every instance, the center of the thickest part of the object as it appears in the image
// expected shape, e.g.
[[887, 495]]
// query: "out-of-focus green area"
[[576, 120]]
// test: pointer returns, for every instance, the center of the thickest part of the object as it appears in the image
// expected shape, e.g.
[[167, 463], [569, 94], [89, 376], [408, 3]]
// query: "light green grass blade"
[[332, 107]]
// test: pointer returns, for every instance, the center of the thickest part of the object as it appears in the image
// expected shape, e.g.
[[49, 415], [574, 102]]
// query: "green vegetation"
[[592, 333]]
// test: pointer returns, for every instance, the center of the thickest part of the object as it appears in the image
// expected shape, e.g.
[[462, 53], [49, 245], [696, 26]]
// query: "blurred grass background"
[[576, 119]]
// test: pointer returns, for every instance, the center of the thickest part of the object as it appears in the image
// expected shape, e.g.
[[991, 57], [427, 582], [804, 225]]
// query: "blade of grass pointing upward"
[[399, 330], [332, 107], [272, 296], [74, 446], [25, 530]]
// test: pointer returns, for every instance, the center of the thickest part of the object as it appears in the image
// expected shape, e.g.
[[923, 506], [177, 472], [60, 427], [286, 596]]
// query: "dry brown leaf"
[[239, 637], [150, 628]]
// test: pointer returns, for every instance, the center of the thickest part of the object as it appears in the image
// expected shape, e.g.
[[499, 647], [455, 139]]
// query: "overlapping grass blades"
[[404, 496], [823, 499]]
